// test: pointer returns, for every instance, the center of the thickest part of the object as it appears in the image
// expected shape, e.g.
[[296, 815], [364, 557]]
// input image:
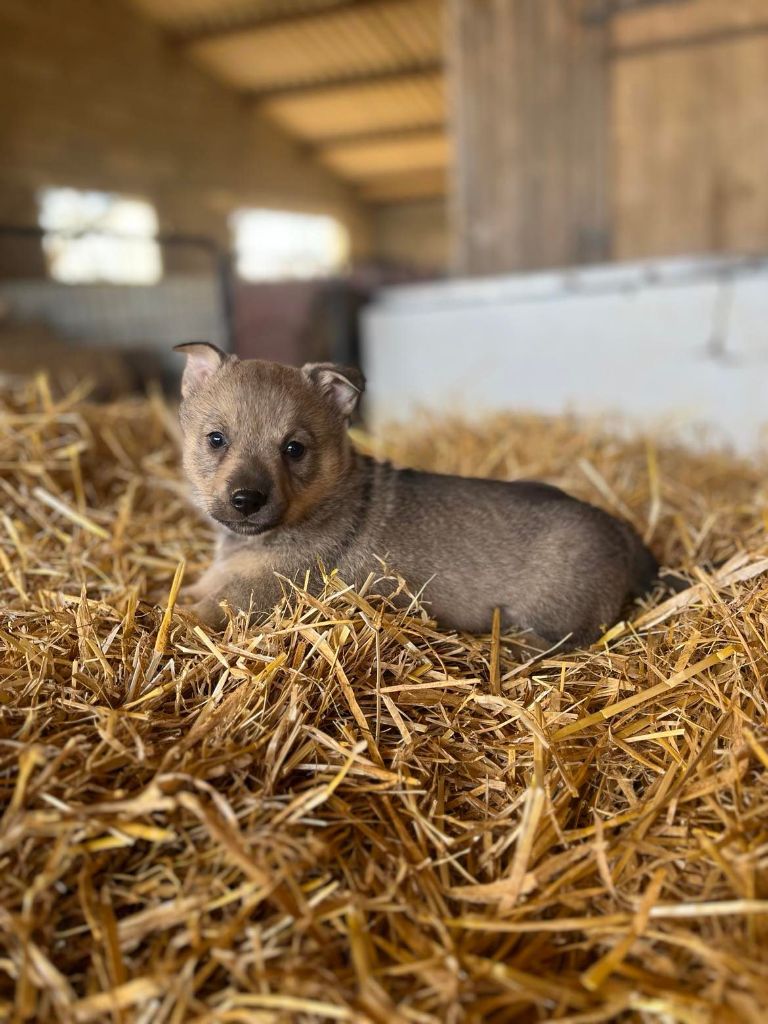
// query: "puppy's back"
[[554, 564]]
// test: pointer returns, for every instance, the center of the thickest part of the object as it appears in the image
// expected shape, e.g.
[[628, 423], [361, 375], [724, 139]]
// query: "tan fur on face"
[[259, 407]]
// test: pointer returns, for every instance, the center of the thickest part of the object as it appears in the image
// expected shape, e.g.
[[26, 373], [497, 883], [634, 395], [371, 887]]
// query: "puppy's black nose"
[[247, 502]]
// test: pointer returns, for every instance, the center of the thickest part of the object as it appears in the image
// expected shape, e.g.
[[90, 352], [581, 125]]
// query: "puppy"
[[269, 459]]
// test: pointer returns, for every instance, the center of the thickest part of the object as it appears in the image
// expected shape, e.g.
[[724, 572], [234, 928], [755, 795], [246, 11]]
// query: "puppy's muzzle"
[[246, 501]]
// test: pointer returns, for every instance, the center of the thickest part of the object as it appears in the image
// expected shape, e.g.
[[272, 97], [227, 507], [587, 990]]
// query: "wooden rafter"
[[352, 80], [714, 37], [254, 22], [423, 152], [599, 11], [378, 135], [407, 186]]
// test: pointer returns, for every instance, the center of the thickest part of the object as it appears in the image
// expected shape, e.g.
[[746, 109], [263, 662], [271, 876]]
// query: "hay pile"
[[345, 814]]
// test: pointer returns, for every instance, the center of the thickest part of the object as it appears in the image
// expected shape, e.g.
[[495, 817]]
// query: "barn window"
[[278, 244], [99, 236]]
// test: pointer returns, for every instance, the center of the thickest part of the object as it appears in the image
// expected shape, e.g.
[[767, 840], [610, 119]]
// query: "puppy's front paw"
[[207, 612], [194, 592]]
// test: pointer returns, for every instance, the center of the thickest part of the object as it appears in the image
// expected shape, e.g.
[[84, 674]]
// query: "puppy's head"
[[264, 444]]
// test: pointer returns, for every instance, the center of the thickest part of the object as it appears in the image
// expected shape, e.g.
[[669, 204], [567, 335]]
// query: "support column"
[[529, 92]]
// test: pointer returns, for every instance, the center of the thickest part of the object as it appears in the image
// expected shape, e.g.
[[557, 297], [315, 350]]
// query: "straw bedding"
[[345, 814]]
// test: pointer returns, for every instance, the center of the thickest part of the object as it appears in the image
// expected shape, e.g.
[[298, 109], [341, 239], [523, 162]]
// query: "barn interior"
[[541, 229], [431, 141], [204, 113]]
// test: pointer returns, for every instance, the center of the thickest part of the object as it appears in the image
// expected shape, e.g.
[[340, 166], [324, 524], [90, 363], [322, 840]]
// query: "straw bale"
[[344, 813]]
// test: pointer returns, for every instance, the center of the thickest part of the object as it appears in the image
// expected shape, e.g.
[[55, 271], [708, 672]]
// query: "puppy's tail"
[[677, 581], [674, 581], [647, 573], [644, 569]]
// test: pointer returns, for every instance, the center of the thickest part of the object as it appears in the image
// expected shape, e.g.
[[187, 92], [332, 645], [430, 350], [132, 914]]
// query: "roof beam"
[[603, 10], [711, 38], [425, 152], [402, 187], [424, 69], [377, 135], [254, 22]]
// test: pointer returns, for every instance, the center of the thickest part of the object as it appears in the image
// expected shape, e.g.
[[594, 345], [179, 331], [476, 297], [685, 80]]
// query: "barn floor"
[[345, 814]]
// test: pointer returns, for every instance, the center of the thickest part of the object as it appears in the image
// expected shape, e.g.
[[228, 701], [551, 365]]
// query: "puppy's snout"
[[246, 501]]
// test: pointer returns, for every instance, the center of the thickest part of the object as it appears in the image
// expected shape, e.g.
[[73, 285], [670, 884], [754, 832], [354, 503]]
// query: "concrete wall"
[[414, 235], [93, 96], [679, 345]]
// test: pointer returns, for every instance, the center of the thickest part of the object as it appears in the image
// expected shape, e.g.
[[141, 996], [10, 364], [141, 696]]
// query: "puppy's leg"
[[200, 588], [203, 598], [213, 579], [208, 611], [227, 582]]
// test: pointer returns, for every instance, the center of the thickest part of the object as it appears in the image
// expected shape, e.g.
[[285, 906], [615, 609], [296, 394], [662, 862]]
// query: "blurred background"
[[546, 205]]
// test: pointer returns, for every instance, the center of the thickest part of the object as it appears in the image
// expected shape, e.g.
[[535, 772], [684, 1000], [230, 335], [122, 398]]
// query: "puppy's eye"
[[216, 439], [294, 449]]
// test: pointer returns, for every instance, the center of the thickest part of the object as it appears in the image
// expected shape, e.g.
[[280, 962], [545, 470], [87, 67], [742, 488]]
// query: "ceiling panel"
[[343, 43], [359, 160], [406, 185], [359, 81], [195, 15], [404, 102]]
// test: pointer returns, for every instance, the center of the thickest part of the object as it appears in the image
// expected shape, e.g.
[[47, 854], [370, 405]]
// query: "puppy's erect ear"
[[342, 384], [203, 360]]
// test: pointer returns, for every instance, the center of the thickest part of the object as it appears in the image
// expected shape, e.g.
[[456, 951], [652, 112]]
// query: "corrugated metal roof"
[[333, 73], [344, 43], [407, 185], [194, 15], [359, 160], [404, 102]]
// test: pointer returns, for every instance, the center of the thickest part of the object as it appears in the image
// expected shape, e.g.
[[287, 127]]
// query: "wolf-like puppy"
[[269, 459]]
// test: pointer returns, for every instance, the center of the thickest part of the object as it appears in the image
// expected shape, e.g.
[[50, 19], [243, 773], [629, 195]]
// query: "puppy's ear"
[[342, 384], [203, 360]]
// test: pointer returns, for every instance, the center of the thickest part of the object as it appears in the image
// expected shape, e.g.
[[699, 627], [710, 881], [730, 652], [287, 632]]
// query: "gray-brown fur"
[[555, 566]]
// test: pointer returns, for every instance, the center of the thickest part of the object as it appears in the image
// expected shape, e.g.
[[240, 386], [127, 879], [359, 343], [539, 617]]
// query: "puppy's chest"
[[241, 560], [246, 561]]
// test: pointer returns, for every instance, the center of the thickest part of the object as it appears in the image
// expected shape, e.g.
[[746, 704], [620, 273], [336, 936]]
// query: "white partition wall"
[[681, 343]]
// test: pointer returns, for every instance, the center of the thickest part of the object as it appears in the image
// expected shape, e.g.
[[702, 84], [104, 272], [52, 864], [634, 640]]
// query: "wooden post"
[[529, 93]]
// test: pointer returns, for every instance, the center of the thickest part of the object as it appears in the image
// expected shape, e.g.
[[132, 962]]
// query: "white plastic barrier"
[[681, 343]]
